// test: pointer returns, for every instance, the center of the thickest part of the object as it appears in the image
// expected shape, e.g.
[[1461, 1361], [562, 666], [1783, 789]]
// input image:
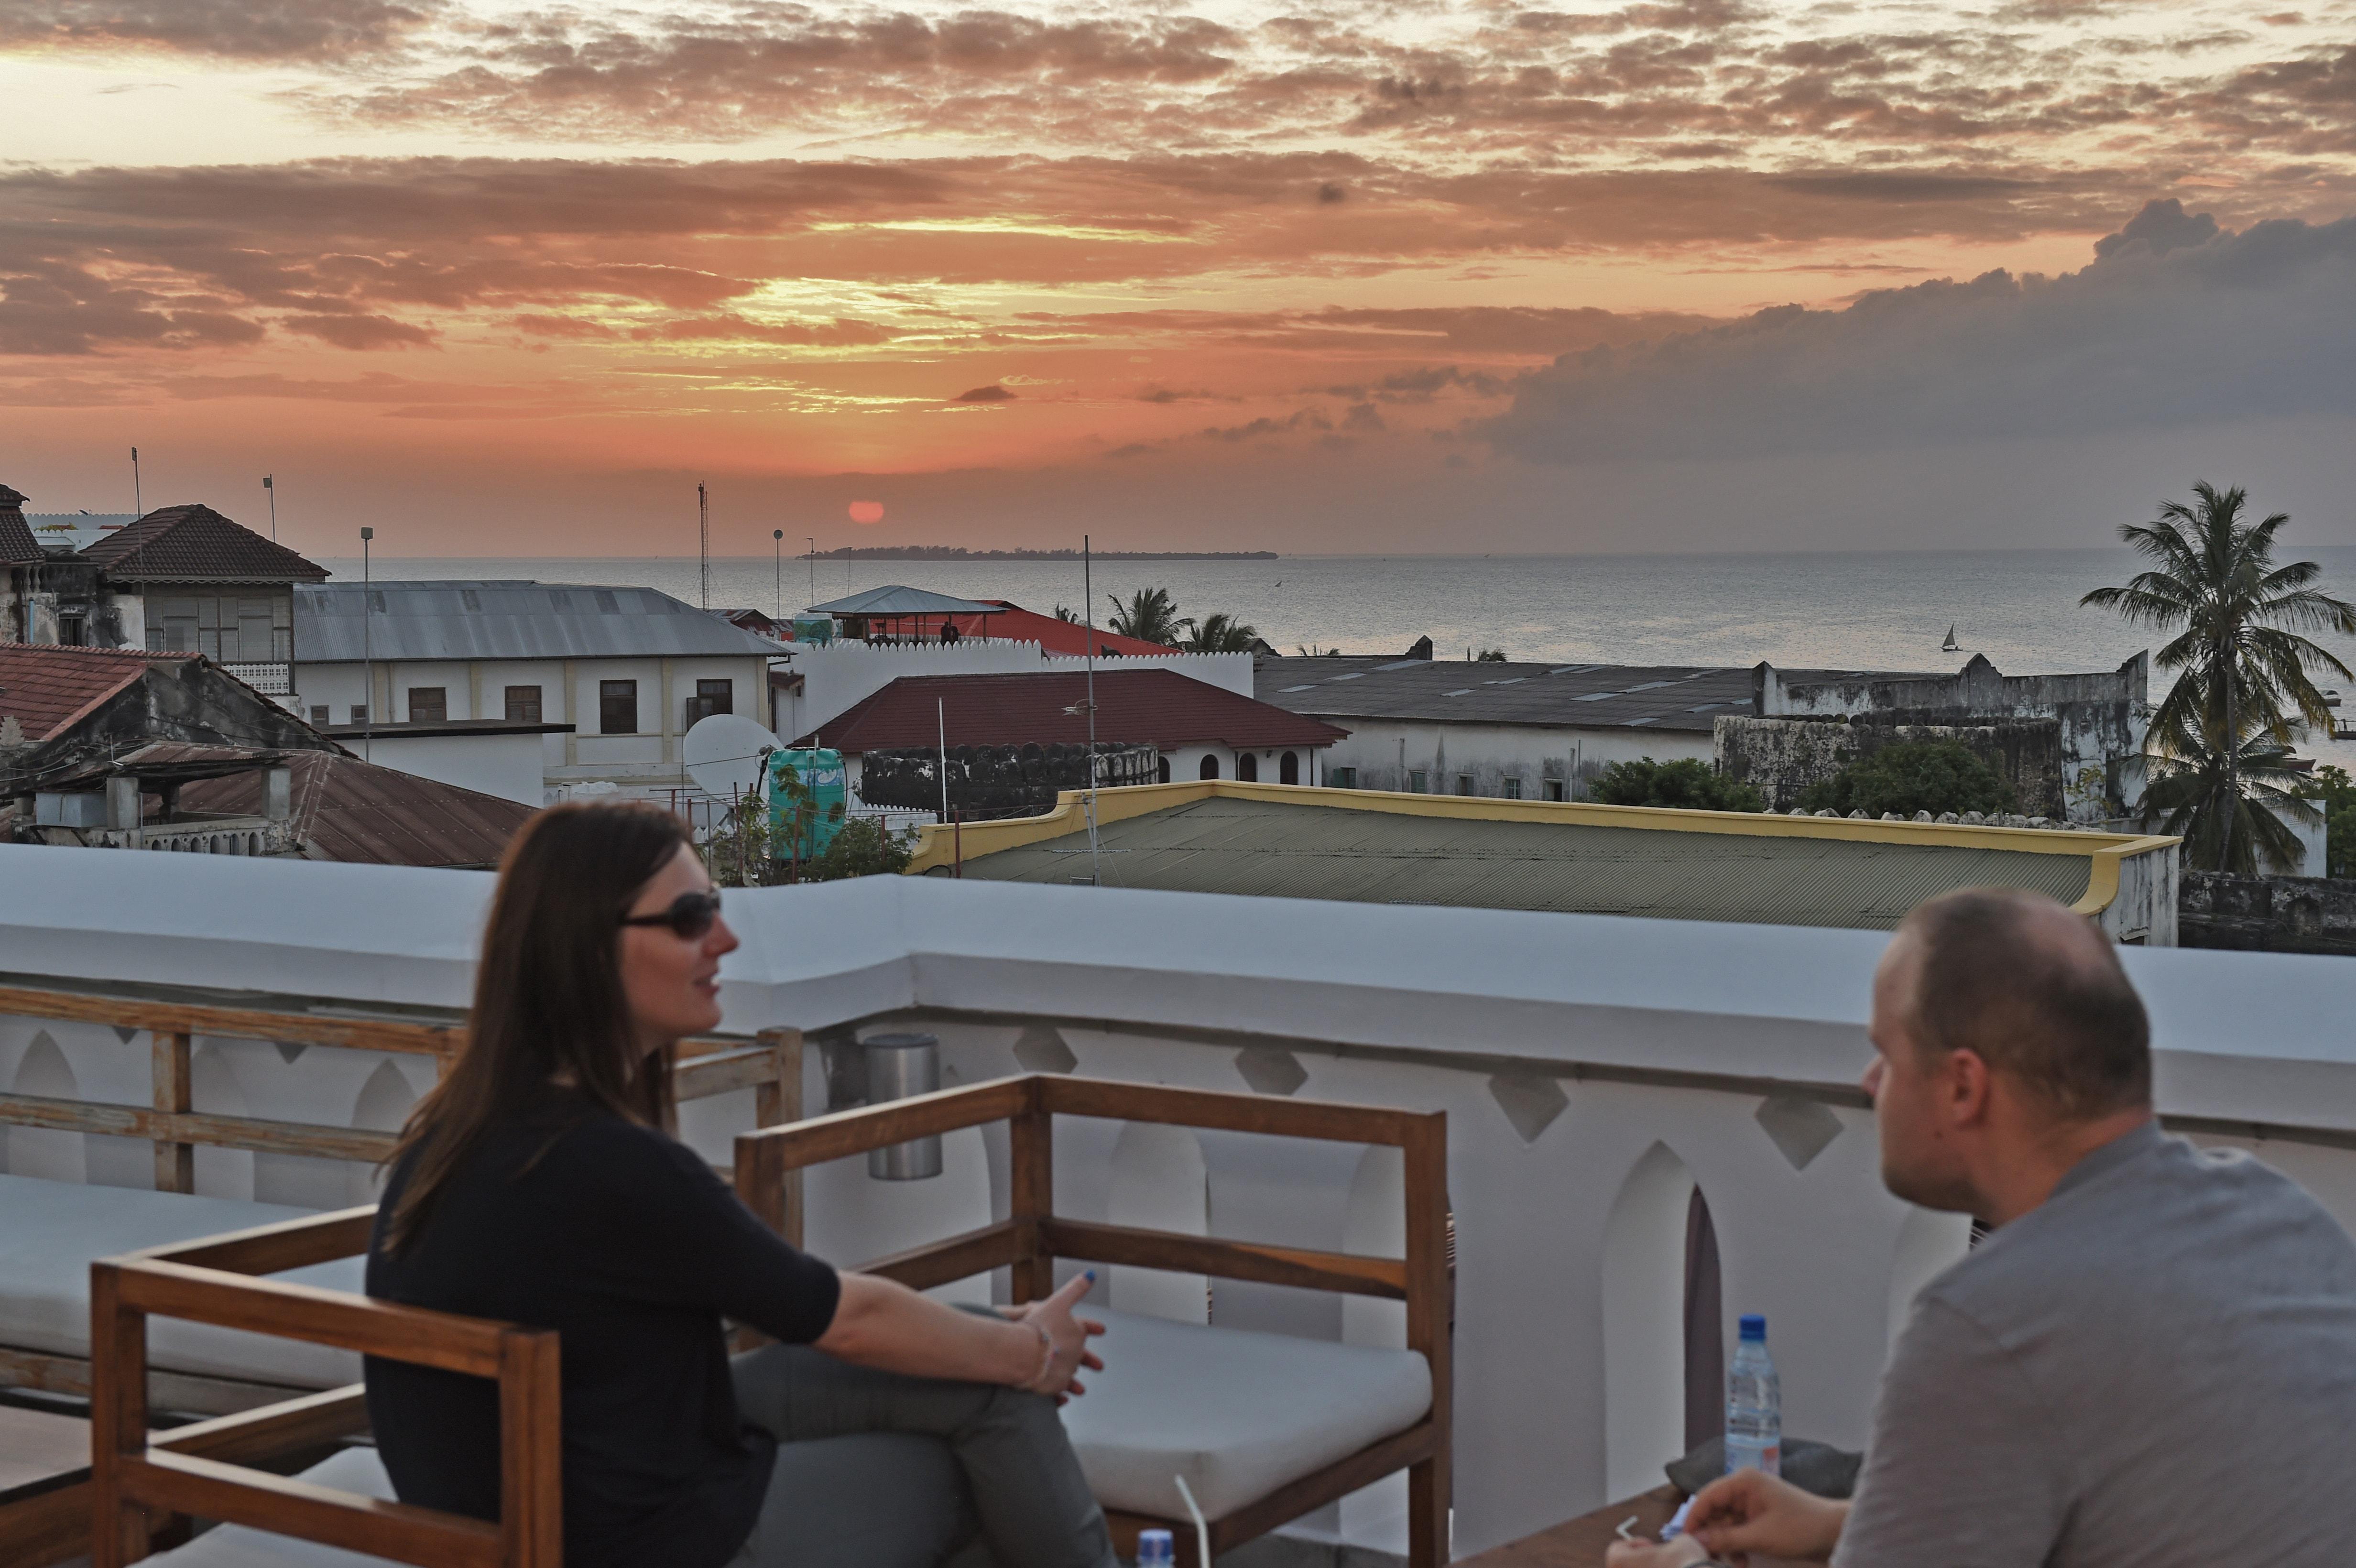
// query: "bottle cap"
[[1755, 1326], [1155, 1549]]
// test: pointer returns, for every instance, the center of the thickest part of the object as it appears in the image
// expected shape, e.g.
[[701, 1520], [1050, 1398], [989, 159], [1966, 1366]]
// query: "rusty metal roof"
[[1229, 845], [346, 809], [1157, 705]]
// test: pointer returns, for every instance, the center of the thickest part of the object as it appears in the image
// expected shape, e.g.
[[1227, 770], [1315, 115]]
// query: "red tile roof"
[[17, 545], [195, 543], [1015, 623], [1159, 706], [346, 809], [48, 689]]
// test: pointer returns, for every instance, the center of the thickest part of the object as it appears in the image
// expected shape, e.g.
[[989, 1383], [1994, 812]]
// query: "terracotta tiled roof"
[[17, 545], [1158, 705], [48, 689], [195, 543], [346, 809]]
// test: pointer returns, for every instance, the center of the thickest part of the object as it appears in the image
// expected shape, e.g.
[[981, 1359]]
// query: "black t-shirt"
[[622, 1241]]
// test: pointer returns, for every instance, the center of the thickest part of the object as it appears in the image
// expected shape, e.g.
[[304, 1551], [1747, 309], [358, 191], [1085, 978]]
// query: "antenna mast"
[[137, 504], [703, 545], [1088, 598]]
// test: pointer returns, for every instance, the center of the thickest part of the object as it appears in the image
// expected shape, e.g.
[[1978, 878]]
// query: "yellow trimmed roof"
[[1372, 847]]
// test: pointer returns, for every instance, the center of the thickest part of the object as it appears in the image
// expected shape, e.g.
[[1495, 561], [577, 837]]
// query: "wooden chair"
[[201, 1470], [1030, 1240]]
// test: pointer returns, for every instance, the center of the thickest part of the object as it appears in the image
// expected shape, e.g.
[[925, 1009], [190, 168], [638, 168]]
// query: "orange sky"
[[1389, 274]]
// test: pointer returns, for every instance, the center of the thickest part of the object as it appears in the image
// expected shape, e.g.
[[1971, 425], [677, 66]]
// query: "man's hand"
[[1066, 1336], [1640, 1554], [1753, 1511]]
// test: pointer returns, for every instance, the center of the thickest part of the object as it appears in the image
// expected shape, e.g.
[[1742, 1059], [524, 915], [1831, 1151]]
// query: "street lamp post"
[[777, 567], [270, 488], [367, 660], [813, 561]]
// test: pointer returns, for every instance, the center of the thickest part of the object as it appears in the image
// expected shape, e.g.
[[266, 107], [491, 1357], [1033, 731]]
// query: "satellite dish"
[[725, 754]]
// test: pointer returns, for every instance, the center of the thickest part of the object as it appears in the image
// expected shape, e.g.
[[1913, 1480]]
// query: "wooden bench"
[[770, 1065], [1031, 1238]]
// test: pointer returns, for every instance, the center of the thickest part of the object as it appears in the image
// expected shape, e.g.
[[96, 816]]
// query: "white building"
[[627, 669]]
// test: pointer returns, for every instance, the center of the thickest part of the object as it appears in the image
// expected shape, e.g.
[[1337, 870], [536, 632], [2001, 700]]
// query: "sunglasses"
[[690, 917]]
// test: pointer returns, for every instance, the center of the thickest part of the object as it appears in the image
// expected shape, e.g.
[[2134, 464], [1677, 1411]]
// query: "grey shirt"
[[2156, 1367]]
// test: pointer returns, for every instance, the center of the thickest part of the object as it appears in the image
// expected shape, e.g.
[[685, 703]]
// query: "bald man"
[[2151, 1360]]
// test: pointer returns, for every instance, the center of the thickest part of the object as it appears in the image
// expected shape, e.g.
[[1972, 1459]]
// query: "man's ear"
[[1964, 1087]]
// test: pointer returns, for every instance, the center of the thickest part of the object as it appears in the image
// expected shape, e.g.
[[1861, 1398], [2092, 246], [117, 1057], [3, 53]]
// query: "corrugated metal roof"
[[1227, 845], [346, 809], [900, 601], [1586, 695], [508, 620]]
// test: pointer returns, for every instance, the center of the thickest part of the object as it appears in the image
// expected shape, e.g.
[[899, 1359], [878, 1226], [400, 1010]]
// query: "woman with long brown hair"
[[540, 1184]]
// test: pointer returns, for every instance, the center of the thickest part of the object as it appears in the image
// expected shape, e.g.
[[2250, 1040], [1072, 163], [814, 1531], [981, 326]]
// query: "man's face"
[[1911, 1091]]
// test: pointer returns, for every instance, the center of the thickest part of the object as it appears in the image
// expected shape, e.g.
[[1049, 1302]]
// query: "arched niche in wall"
[[1160, 1182], [1928, 1242], [213, 1090], [385, 1103], [46, 1152], [1662, 1329]]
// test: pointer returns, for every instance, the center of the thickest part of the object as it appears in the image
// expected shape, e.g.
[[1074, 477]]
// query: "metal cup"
[[900, 1065]]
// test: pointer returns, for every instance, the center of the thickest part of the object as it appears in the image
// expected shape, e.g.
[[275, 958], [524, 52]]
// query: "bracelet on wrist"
[[1046, 1352]]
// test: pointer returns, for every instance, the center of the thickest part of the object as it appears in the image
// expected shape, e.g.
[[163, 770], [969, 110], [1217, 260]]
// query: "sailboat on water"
[[1951, 646]]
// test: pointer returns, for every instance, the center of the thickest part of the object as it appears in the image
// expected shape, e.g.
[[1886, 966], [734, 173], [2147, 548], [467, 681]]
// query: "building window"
[[1248, 767], [1342, 778], [71, 631], [318, 713], [1513, 788], [1418, 783], [523, 704], [429, 705], [1288, 769], [1211, 767], [617, 707], [1463, 783], [711, 697], [360, 713], [1553, 788]]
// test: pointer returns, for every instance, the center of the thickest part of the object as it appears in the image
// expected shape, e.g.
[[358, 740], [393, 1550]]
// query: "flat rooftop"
[[1369, 848], [1583, 695]]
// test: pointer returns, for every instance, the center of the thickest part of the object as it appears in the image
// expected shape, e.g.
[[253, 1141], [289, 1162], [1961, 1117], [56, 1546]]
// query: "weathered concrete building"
[[2069, 745]]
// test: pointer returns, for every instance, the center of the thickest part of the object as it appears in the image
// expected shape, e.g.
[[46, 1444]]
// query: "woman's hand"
[[1063, 1339], [1678, 1553]]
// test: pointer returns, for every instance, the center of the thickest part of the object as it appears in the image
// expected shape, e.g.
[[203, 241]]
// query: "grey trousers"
[[876, 1470]]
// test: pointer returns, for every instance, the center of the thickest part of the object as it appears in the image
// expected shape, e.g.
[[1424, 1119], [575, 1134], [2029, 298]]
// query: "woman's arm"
[[881, 1324]]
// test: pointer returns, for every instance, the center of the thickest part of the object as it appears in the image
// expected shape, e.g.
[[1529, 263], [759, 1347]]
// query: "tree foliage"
[[1219, 633], [862, 847], [2237, 617], [2335, 795], [1685, 782], [1149, 615], [1936, 776]]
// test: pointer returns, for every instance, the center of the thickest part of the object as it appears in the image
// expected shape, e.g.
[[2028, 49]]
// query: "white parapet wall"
[[1596, 1072]]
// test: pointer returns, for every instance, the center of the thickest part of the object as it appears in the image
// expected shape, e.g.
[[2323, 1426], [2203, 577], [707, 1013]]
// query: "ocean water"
[[1887, 611]]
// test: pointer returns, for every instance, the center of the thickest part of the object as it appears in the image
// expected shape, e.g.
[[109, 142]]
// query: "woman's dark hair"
[[548, 993]]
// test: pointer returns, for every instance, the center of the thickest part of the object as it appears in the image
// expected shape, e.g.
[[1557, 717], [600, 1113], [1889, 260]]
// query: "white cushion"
[[234, 1546], [1237, 1412], [51, 1230]]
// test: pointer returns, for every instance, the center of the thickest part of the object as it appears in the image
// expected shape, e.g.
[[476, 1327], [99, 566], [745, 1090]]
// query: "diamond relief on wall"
[[1271, 1071], [1530, 1103], [1040, 1048], [1800, 1129]]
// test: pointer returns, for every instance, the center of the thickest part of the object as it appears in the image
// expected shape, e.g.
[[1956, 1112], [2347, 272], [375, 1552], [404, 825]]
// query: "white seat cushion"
[[1237, 1412], [234, 1546], [51, 1230]]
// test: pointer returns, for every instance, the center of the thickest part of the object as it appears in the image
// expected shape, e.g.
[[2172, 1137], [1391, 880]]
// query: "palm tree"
[[1150, 616], [1220, 634], [2229, 803], [2214, 582]]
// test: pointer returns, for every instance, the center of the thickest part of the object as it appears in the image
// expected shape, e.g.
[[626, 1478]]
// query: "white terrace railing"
[[1596, 1072]]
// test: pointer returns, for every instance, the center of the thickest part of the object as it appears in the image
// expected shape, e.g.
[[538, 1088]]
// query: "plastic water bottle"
[[1754, 1404], [1155, 1549]]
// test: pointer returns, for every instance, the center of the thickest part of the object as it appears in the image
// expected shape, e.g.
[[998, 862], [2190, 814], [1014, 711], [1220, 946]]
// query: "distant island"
[[958, 552]]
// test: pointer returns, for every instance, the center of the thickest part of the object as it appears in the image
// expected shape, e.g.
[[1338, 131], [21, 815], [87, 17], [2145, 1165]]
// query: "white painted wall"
[[1477, 1012], [1388, 752], [509, 766]]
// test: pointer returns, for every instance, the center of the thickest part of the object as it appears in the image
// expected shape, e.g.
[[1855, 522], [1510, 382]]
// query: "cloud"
[[2175, 323], [358, 331], [235, 30], [994, 393]]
